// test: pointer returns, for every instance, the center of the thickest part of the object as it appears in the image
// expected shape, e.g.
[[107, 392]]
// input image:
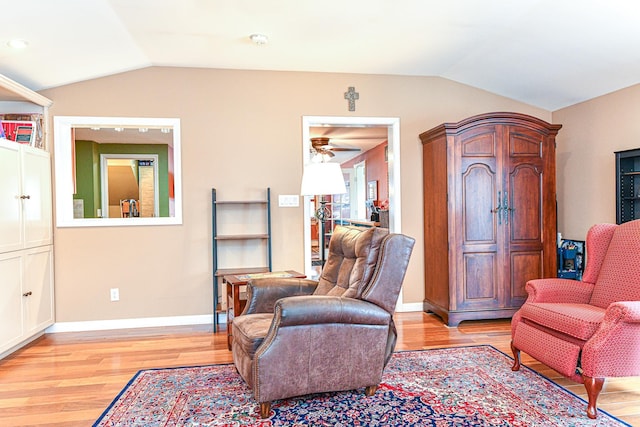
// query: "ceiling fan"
[[321, 146]]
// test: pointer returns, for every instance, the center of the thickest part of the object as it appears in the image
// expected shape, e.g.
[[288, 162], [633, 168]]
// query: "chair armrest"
[[613, 349], [262, 294], [622, 311], [318, 309], [559, 290]]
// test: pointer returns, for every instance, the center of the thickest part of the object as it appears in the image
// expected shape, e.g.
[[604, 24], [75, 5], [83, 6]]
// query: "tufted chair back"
[[353, 254]]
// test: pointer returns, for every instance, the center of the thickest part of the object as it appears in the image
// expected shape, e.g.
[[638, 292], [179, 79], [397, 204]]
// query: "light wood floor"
[[68, 379]]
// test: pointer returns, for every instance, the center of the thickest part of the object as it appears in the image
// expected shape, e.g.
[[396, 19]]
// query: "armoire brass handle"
[[25, 197], [498, 209], [27, 294]]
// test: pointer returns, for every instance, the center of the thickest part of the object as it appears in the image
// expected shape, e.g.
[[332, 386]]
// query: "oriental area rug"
[[463, 386]]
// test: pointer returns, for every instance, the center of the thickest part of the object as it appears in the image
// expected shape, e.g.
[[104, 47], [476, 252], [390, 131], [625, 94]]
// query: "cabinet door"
[[37, 289], [11, 324], [525, 177], [477, 268], [36, 186], [10, 204]]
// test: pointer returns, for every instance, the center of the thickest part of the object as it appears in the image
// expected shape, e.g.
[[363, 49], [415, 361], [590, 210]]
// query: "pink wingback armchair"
[[587, 330]]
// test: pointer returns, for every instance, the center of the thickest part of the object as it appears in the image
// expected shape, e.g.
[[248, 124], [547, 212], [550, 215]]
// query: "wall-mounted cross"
[[352, 95]]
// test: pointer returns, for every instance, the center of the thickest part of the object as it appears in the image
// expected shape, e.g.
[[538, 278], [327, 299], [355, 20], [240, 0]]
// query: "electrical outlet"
[[115, 294]]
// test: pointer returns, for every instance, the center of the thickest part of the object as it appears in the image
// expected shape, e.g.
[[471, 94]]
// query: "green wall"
[[88, 172]]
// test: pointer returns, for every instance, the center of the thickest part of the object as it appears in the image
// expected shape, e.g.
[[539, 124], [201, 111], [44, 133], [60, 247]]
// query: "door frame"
[[393, 156]]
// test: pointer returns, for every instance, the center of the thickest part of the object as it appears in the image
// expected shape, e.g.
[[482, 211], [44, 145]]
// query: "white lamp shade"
[[322, 178]]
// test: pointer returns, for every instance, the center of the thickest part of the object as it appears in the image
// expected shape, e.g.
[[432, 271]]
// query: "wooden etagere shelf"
[[220, 237]]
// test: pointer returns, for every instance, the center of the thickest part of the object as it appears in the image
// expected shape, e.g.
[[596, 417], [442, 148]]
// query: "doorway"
[[391, 130], [359, 196], [129, 185]]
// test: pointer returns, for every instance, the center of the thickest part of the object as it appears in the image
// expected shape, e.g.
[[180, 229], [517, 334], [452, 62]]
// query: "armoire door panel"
[[479, 281], [525, 266], [478, 200], [525, 204], [524, 143], [479, 145]]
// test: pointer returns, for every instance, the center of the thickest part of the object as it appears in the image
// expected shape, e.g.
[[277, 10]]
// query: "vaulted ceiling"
[[547, 53]]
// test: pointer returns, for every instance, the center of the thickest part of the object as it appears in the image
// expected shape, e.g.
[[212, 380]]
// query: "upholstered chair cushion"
[[250, 331], [353, 254], [578, 320], [619, 278]]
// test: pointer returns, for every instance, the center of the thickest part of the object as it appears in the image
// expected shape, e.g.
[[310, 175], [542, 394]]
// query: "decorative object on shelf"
[[322, 179]]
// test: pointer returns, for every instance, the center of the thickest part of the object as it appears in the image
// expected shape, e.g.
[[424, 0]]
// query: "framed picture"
[[372, 190]]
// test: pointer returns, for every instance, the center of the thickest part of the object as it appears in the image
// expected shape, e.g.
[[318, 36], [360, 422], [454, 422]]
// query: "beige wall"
[[592, 131], [241, 132]]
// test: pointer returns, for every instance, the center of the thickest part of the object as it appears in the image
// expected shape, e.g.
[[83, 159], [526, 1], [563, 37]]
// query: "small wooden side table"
[[237, 293]]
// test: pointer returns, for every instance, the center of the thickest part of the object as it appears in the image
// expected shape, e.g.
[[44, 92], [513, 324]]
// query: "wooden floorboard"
[[69, 379]]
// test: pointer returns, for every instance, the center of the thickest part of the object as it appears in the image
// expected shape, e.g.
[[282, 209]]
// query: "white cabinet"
[[26, 227], [25, 197], [26, 295]]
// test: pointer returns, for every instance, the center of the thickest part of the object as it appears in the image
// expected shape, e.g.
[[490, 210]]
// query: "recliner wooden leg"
[[265, 409], [370, 390], [516, 358], [593, 386]]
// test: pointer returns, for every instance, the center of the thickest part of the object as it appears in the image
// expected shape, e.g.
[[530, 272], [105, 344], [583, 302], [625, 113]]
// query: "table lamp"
[[320, 179]]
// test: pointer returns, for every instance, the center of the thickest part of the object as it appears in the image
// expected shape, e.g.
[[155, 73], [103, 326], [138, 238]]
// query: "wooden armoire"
[[489, 214]]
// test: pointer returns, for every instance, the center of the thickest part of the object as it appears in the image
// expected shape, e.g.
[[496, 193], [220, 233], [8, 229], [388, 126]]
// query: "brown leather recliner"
[[299, 336]]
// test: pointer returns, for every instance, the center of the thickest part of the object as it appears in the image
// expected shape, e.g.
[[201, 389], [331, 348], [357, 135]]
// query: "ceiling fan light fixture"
[[259, 39], [321, 157]]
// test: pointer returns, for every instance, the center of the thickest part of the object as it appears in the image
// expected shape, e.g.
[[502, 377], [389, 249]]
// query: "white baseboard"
[[146, 322], [410, 306]]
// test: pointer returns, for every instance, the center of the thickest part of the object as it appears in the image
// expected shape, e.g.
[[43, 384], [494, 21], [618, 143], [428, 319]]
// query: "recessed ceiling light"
[[259, 39], [17, 43]]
